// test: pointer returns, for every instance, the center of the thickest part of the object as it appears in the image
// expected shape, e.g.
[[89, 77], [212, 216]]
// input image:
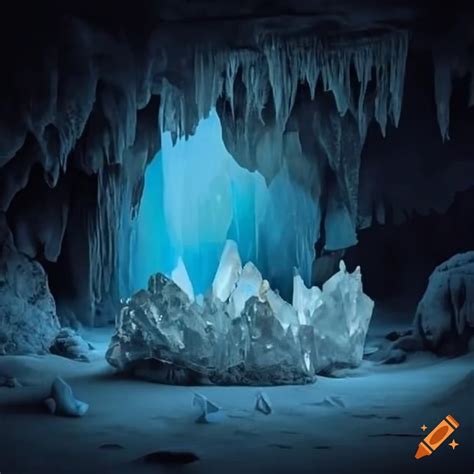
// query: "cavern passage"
[[221, 196]]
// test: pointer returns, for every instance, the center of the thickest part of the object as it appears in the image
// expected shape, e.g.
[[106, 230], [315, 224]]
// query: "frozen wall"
[[196, 196], [82, 129]]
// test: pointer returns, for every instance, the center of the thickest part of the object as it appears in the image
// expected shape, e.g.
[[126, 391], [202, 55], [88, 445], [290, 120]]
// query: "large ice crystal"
[[284, 312], [305, 300], [341, 322], [180, 276], [249, 284], [243, 332], [228, 272]]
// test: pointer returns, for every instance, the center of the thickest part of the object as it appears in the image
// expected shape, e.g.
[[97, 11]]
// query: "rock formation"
[[28, 321], [444, 318]]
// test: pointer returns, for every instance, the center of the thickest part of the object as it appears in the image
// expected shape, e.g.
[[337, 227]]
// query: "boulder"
[[444, 319], [71, 345], [28, 320]]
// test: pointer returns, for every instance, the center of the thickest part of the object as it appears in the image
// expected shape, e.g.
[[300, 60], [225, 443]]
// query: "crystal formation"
[[243, 333]]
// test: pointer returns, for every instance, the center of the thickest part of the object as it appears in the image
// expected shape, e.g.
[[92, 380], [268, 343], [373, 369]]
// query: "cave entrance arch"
[[196, 196]]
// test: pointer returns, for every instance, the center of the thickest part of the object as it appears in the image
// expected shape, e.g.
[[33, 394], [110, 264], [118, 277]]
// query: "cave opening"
[[196, 196]]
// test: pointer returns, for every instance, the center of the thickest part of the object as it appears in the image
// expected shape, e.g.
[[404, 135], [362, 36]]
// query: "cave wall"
[[83, 101], [398, 258]]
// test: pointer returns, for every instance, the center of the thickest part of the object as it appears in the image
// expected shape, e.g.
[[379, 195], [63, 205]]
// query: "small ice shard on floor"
[[332, 401], [249, 284], [180, 276], [305, 300], [263, 403], [62, 401], [228, 272], [206, 408]]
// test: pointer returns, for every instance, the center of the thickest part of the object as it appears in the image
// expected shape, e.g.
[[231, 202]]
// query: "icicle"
[[283, 73], [335, 73], [256, 81], [442, 94], [232, 67], [172, 110], [381, 98], [208, 80], [310, 65], [363, 63], [399, 48]]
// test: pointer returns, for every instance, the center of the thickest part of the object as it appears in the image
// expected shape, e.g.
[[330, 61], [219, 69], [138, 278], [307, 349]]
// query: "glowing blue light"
[[196, 196]]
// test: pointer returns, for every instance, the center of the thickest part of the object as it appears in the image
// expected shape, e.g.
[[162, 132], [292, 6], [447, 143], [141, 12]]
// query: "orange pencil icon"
[[436, 437]]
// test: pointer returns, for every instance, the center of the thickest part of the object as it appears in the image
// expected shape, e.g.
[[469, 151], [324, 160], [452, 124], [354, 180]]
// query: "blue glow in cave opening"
[[196, 196]]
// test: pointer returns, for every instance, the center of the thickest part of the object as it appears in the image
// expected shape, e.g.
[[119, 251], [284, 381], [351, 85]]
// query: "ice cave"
[[237, 236]]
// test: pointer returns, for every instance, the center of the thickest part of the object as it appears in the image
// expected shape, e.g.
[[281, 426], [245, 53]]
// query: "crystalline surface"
[[161, 323], [242, 332], [180, 276], [305, 300], [342, 321], [228, 272], [284, 312], [248, 285]]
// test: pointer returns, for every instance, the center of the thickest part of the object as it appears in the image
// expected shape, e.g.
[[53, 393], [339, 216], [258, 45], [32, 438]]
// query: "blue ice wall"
[[146, 241], [196, 196]]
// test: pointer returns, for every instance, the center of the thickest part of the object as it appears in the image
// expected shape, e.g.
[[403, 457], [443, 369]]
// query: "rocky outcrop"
[[28, 321], [71, 345], [444, 318]]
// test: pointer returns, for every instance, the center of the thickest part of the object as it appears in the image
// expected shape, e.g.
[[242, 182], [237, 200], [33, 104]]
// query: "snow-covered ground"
[[372, 425]]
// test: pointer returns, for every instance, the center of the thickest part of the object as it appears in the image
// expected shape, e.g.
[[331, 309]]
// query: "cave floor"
[[375, 428]]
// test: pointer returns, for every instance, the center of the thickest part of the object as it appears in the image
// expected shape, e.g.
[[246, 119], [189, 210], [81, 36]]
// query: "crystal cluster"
[[242, 331]]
